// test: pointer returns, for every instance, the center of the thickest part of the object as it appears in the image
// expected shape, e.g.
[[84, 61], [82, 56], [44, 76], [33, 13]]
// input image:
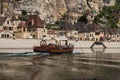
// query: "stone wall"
[[26, 45]]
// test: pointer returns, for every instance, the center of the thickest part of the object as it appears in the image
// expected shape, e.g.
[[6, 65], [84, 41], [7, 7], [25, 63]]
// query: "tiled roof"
[[113, 31], [81, 27], [66, 26], [93, 27], [34, 21], [2, 20], [14, 19]]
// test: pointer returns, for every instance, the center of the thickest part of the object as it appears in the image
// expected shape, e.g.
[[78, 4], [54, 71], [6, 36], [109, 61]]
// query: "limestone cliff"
[[51, 10]]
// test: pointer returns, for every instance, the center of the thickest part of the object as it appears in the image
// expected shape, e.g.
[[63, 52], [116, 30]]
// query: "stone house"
[[118, 37], [82, 29], [72, 34], [74, 14], [6, 27], [81, 36], [115, 37], [86, 32], [52, 34], [33, 27], [22, 31], [96, 33], [91, 32], [15, 22], [6, 34], [113, 34]]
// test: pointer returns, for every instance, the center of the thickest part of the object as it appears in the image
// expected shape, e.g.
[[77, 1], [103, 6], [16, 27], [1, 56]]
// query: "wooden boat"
[[54, 48], [42, 48]]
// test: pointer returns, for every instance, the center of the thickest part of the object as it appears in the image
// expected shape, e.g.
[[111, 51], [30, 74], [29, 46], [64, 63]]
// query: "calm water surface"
[[43, 66]]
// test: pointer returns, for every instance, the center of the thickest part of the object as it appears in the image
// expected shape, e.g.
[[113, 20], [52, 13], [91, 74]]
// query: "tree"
[[23, 15], [24, 12], [83, 19], [109, 16], [97, 19]]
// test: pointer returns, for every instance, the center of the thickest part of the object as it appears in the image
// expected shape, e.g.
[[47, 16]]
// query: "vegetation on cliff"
[[109, 16]]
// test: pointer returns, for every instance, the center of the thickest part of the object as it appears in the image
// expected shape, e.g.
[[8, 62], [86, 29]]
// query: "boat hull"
[[59, 51], [41, 49], [55, 50]]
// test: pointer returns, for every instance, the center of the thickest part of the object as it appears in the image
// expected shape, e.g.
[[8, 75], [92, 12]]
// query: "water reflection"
[[98, 50], [97, 65]]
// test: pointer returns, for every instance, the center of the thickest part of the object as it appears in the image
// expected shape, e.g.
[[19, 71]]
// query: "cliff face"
[[48, 9], [51, 10]]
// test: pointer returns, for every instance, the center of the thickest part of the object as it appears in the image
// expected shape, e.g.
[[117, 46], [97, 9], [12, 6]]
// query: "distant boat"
[[54, 48]]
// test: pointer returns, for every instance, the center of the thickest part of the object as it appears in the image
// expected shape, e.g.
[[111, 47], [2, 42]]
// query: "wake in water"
[[23, 54]]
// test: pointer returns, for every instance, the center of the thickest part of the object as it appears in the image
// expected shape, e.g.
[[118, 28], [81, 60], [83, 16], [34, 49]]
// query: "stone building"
[[6, 27], [33, 27]]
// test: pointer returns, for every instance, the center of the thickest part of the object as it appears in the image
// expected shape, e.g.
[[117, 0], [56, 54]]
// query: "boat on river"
[[56, 48]]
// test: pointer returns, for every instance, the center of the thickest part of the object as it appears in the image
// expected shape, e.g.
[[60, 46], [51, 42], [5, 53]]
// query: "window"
[[16, 22], [30, 24], [96, 39], [44, 35], [117, 35], [4, 28], [7, 22], [75, 33], [2, 35], [10, 28], [32, 21], [80, 38], [90, 35], [23, 29], [97, 33], [7, 35], [44, 30], [33, 36]]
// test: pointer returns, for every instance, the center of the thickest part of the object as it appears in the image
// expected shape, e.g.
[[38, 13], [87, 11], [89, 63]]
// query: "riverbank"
[[26, 45]]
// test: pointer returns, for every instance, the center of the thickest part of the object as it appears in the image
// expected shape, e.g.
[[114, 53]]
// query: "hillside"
[[53, 9]]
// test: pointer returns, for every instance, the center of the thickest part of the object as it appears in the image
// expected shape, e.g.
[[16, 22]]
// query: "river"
[[98, 65]]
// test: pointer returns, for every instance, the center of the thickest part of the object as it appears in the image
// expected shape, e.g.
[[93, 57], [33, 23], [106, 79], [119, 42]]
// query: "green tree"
[[109, 16], [23, 15], [23, 12], [83, 19]]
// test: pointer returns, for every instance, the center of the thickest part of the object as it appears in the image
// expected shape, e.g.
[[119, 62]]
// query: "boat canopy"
[[46, 38], [61, 38]]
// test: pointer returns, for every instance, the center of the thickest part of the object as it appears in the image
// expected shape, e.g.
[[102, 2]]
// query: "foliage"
[[52, 26], [23, 15], [23, 12], [83, 19], [97, 19], [23, 18], [110, 14]]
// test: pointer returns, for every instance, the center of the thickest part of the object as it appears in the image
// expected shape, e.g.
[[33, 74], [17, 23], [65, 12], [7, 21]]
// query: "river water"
[[98, 65]]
